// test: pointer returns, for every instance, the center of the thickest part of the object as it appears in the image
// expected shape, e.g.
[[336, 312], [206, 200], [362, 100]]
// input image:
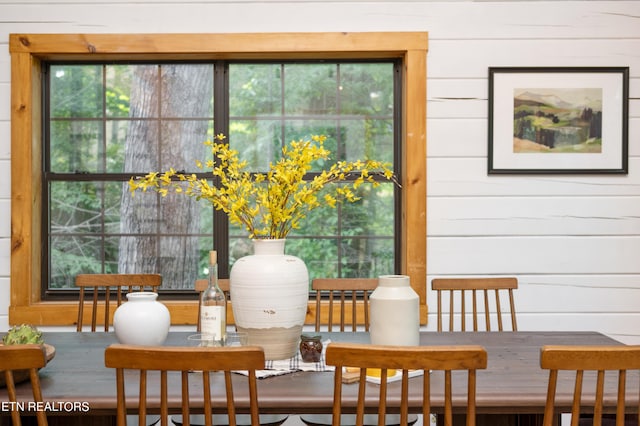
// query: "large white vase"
[[142, 320], [269, 295]]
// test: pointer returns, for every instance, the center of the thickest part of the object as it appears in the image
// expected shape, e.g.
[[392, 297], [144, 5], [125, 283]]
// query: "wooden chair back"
[[598, 359], [185, 359], [201, 285], [459, 288], [106, 283], [345, 293], [405, 358], [15, 358]]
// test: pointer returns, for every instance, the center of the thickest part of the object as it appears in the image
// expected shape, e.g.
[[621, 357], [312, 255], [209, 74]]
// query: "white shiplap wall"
[[573, 241]]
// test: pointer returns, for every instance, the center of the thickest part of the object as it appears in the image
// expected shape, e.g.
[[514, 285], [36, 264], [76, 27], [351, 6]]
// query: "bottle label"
[[212, 321]]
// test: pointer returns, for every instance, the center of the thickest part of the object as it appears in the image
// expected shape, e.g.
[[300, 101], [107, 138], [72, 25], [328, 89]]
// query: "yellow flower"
[[268, 205]]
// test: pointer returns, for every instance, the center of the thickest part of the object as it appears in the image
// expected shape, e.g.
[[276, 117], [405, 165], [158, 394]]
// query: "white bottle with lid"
[[213, 310], [395, 312]]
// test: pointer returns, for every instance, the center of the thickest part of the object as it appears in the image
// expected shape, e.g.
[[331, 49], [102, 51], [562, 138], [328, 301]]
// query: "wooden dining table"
[[79, 389]]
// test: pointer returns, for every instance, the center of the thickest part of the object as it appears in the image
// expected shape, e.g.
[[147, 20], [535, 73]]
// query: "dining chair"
[[345, 293], [597, 360], [15, 358], [104, 283], [424, 359], [459, 288], [184, 360], [242, 419], [201, 285]]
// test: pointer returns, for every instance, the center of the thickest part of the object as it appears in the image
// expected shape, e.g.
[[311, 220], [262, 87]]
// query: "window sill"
[[182, 313]]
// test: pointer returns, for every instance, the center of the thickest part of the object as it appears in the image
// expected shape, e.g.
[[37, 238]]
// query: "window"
[[107, 122], [31, 52]]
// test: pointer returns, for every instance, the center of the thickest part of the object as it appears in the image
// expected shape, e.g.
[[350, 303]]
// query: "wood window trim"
[[27, 52]]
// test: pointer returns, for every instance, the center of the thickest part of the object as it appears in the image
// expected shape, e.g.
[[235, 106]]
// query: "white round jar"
[[142, 320], [395, 312]]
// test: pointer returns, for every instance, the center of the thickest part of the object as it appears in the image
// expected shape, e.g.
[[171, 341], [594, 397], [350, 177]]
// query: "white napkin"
[[291, 365]]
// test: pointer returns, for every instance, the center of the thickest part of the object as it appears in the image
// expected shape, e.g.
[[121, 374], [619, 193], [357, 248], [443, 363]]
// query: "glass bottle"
[[213, 312]]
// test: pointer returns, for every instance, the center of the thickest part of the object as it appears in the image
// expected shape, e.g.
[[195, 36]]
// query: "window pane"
[[297, 129], [137, 254], [117, 132], [77, 146], [366, 257], [349, 258], [182, 144], [368, 138], [310, 89], [78, 208], [187, 90], [144, 92], [370, 216], [76, 91], [257, 142], [172, 266], [82, 215], [172, 141], [319, 254], [366, 89], [71, 256], [118, 90], [168, 235], [255, 89]]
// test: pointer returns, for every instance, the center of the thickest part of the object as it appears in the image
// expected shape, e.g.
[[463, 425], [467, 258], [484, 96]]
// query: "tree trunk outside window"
[[163, 134]]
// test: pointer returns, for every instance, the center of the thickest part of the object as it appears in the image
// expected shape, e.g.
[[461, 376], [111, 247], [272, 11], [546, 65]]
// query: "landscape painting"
[[558, 120]]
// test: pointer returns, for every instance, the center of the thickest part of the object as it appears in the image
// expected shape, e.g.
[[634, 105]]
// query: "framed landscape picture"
[[558, 120]]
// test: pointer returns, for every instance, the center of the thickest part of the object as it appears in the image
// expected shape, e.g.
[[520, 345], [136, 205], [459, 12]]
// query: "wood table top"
[[512, 383]]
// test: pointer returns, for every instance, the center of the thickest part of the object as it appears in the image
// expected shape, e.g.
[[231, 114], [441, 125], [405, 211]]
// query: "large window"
[[107, 122], [254, 89]]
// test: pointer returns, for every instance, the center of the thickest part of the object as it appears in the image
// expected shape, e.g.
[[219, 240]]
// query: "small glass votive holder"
[[202, 340], [236, 338]]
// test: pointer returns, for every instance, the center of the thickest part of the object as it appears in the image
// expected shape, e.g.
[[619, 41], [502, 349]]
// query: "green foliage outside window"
[[99, 112]]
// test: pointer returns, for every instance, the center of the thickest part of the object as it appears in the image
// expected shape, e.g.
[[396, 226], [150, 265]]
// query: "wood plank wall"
[[573, 241]]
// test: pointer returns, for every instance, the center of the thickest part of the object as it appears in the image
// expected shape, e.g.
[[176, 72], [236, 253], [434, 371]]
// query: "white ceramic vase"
[[269, 295], [395, 312], [142, 320]]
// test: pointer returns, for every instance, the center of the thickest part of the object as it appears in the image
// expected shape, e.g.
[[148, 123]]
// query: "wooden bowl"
[[22, 375]]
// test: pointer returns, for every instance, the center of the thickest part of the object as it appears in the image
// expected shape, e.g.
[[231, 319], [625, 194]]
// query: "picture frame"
[[558, 120]]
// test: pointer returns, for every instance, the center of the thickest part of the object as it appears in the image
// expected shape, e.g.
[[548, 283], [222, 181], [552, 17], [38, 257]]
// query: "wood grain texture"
[[513, 381], [205, 360], [429, 359], [14, 359], [490, 298], [580, 359]]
